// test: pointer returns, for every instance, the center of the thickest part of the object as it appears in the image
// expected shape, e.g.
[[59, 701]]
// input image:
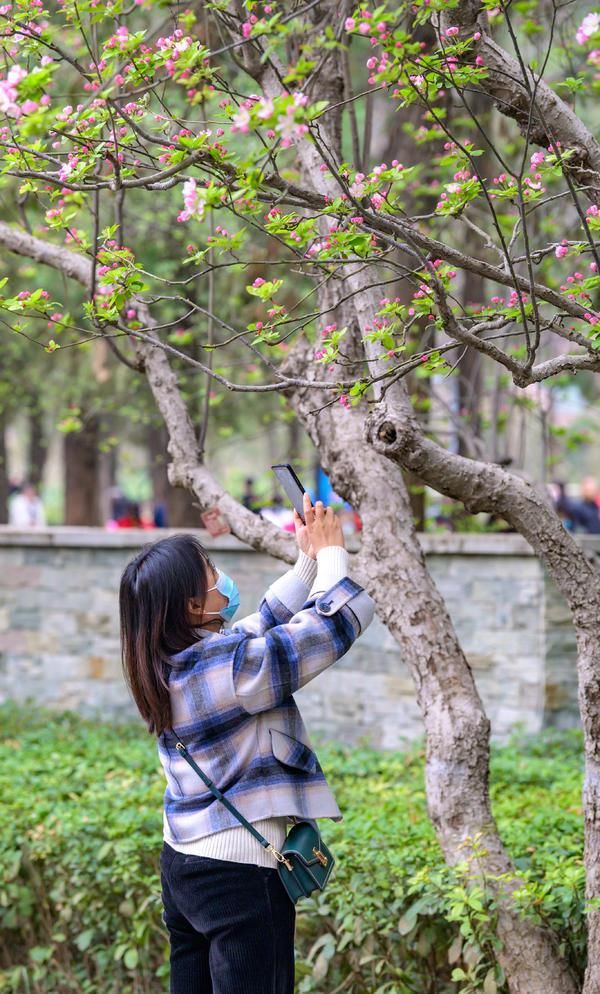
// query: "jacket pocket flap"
[[292, 752]]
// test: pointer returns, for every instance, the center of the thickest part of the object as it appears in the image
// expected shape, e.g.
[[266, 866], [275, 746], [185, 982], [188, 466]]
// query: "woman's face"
[[198, 612]]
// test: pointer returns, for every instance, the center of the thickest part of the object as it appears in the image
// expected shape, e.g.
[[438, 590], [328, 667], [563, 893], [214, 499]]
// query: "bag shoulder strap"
[[221, 797]]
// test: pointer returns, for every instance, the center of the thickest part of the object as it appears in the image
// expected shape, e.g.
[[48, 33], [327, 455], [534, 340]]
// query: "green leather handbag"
[[304, 863]]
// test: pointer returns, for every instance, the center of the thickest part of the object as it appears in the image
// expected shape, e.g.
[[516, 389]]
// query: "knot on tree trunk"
[[387, 433]]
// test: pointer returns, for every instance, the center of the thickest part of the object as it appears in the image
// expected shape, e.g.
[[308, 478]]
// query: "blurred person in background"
[[250, 498], [278, 514], [26, 509], [131, 516], [159, 515], [580, 514]]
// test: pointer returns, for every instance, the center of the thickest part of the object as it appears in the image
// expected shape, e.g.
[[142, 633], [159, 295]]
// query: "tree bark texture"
[[82, 475]]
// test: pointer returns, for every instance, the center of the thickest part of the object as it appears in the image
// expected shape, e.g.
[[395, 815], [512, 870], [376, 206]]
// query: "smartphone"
[[292, 486]]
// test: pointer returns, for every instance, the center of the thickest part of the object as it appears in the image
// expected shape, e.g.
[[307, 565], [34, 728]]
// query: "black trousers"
[[231, 926]]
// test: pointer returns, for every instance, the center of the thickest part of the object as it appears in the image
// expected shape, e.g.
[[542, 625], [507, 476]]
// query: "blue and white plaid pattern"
[[232, 706]]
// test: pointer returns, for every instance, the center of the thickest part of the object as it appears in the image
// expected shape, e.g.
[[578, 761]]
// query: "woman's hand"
[[302, 536], [322, 526]]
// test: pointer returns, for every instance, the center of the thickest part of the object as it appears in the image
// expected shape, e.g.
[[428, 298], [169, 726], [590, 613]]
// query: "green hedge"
[[81, 830]]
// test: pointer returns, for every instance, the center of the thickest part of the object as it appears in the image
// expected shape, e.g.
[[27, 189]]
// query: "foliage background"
[[80, 836]]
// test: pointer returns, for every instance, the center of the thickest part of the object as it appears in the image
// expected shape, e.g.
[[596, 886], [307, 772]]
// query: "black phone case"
[[291, 484]]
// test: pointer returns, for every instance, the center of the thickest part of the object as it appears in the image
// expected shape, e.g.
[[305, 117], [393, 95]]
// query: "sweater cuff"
[[332, 566], [305, 568]]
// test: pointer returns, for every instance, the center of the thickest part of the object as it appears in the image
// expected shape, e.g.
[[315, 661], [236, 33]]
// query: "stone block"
[[4, 618], [480, 661]]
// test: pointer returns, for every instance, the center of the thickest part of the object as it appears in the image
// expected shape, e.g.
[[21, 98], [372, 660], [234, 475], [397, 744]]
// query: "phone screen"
[[291, 484]]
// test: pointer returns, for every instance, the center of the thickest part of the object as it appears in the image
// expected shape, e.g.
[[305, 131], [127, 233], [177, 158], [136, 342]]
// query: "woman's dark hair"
[[153, 595]]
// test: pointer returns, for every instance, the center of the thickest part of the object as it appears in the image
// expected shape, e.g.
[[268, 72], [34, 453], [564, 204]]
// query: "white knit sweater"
[[238, 844]]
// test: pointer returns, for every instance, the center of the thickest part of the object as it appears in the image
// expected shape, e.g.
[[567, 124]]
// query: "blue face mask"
[[228, 587]]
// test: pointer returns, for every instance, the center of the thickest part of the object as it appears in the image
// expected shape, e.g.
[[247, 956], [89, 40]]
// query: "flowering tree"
[[241, 135]]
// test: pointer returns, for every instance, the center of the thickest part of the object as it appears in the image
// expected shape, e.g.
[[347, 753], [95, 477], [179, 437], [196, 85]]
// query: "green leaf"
[[131, 959], [489, 984], [84, 939], [39, 954]]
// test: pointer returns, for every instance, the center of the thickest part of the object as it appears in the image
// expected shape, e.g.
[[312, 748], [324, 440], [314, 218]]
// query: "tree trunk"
[[179, 503], [456, 727], [107, 476], [37, 447], [3, 473], [82, 475], [482, 487], [294, 453]]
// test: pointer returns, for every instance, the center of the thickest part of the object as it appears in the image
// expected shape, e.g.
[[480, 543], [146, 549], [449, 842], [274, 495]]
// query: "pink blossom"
[[349, 24], [537, 158], [560, 251], [593, 210], [477, 36], [246, 29], [266, 108], [377, 201], [241, 121], [287, 126], [8, 91], [67, 167], [258, 281], [588, 27], [344, 401], [364, 28], [451, 31], [194, 200]]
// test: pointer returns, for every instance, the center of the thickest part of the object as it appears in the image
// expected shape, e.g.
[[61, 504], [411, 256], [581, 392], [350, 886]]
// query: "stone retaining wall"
[[59, 641]]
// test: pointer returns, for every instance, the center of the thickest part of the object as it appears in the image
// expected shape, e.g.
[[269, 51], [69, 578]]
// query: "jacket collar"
[[180, 659]]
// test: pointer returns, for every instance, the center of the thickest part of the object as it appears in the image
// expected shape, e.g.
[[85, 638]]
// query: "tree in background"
[[212, 187]]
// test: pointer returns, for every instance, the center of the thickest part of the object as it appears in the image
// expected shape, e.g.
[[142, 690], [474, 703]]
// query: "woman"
[[228, 695]]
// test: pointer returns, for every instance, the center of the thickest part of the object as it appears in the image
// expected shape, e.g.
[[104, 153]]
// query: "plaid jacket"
[[232, 706]]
